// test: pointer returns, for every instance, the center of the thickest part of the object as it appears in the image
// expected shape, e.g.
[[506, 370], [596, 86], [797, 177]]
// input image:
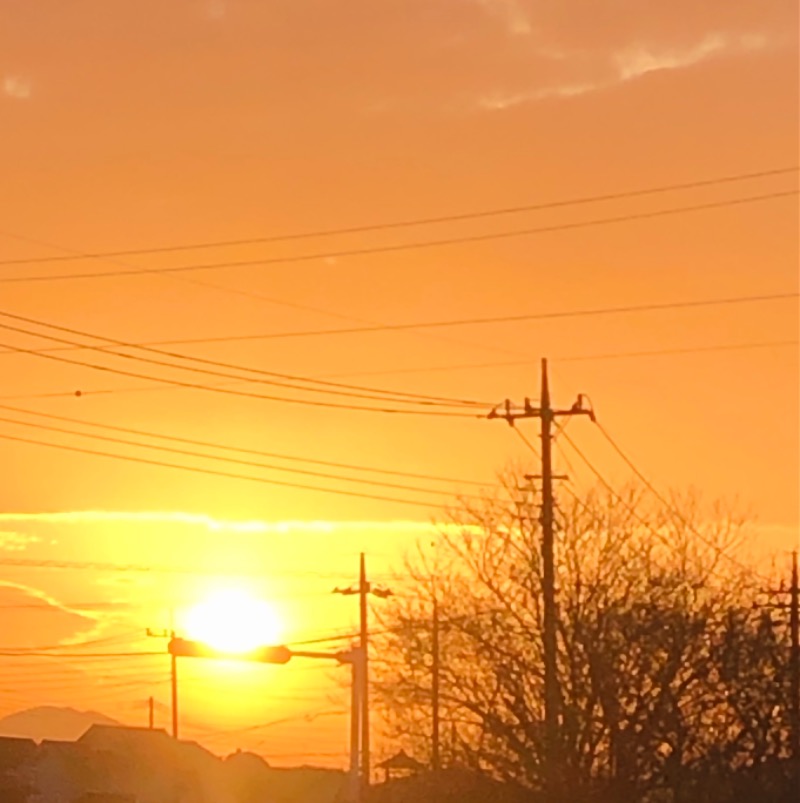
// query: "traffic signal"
[[184, 648]]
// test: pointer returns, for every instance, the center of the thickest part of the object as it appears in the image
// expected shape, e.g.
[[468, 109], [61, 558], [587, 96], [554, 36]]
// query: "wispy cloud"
[[64, 625], [17, 87], [638, 60], [498, 102], [16, 542], [256, 526], [629, 64], [37, 595]]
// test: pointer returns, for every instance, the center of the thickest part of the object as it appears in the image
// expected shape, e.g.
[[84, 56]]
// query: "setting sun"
[[232, 620]]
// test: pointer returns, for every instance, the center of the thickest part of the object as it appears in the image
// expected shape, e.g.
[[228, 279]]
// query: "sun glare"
[[232, 621]]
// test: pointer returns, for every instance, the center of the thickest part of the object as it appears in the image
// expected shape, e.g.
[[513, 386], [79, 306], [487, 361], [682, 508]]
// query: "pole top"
[[545, 403]]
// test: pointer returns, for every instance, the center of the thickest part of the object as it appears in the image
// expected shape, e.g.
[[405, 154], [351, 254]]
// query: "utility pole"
[[552, 698], [435, 668], [794, 627], [151, 704], [364, 589], [793, 606], [174, 685], [355, 726], [170, 634]]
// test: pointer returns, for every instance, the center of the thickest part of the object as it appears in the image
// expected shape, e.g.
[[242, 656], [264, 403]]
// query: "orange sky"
[[146, 124]]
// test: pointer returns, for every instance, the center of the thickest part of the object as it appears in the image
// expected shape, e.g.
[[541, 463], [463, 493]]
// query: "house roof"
[[126, 732], [401, 761], [112, 737]]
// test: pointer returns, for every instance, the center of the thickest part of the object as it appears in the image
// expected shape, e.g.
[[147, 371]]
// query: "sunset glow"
[[284, 288]]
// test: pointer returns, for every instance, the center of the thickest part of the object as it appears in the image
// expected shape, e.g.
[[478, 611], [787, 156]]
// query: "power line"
[[661, 498], [241, 292], [586, 357], [211, 388], [222, 458], [139, 568], [135, 568], [221, 288], [534, 316], [537, 316], [216, 473], [307, 717], [721, 552], [375, 394], [401, 247], [118, 639], [83, 654], [439, 368], [717, 549], [79, 608], [239, 450], [454, 218]]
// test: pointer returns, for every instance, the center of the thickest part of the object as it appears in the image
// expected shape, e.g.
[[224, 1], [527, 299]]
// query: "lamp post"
[[363, 589], [280, 654]]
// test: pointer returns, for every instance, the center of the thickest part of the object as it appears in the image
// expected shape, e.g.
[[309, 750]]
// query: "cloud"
[[632, 62], [498, 102], [36, 595], [17, 87], [16, 542], [256, 526], [638, 60], [39, 619]]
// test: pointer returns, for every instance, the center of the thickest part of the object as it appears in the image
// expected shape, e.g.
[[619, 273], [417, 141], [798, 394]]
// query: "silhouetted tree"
[[672, 684]]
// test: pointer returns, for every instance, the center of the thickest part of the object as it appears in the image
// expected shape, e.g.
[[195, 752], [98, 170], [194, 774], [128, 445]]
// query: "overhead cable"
[[414, 222], [206, 387], [401, 247], [337, 388], [224, 459], [216, 473], [240, 450]]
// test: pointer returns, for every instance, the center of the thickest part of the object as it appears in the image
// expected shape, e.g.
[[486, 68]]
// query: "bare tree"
[[652, 622]]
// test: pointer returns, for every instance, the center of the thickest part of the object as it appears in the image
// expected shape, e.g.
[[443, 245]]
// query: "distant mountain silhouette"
[[52, 722]]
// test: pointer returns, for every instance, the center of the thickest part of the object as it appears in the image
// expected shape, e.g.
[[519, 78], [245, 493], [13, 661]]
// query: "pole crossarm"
[[510, 413]]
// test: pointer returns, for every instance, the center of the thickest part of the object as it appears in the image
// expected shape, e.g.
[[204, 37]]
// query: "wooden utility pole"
[[174, 684], [151, 713], [435, 668], [552, 697], [364, 589], [551, 690], [793, 606], [169, 634], [355, 726], [794, 628]]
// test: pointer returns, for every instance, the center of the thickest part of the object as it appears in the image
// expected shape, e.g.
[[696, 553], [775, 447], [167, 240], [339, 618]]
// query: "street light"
[[184, 648], [280, 654]]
